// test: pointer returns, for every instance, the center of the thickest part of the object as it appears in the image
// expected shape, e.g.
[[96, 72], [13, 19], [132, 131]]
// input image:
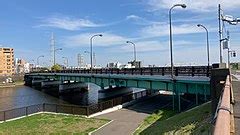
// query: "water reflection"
[[17, 97], [24, 96]]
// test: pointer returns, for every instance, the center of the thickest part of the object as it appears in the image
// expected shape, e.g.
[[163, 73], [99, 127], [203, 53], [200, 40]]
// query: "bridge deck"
[[183, 84], [166, 78]]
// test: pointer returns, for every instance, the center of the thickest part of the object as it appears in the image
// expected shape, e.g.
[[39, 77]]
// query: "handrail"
[[223, 121], [184, 70]]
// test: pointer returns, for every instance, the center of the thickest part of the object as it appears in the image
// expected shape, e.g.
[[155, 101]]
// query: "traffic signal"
[[234, 54]]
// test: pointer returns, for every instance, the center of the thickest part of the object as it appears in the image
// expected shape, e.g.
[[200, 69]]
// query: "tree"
[[56, 67]]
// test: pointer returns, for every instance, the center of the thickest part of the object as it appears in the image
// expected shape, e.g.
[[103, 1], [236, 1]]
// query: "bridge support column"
[[196, 93], [176, 97], [179, 100], [205, 93], [173, 95], [102, 85]]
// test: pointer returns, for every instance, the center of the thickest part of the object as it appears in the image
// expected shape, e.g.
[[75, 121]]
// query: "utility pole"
[[52, 49], [228, 49], [220, 32], [94, 60]]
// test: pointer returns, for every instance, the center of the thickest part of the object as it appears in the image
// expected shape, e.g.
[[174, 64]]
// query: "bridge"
[[202, 80], [188, 80]]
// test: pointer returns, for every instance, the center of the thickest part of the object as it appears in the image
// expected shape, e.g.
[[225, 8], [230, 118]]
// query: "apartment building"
[[6, 61]]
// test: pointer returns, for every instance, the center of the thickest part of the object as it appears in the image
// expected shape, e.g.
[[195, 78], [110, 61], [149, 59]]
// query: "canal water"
[[22, 96]]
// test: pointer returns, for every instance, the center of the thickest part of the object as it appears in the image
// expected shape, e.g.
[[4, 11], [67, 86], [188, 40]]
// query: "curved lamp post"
[[66, 59], [200, 25], [170, 26], [38, 59], [134, 49], [54, 59], [171, 51], [91, 50]]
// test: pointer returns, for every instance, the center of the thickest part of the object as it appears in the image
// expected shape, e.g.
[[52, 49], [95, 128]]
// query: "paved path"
[[236, 108], [126, 120]]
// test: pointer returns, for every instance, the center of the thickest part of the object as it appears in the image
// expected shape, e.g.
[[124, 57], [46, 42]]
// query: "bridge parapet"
[[178, 71], [223, 114]]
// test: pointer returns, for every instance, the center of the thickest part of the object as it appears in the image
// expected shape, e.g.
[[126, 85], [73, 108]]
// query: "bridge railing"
[[224, 112], [71, 109], [45, 107], [183, 71]]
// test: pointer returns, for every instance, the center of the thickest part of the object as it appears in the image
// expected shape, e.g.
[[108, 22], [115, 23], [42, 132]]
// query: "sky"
[[27, 25]]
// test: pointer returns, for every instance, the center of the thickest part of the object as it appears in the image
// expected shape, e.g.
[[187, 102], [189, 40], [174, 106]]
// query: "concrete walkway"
[[126, 120]]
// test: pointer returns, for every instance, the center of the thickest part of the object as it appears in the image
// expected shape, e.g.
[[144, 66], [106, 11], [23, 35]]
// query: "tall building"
[[21, 66], [6, 61]]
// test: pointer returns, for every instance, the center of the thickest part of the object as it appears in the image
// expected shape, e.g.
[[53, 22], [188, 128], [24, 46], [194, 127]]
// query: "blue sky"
[[27, 26]]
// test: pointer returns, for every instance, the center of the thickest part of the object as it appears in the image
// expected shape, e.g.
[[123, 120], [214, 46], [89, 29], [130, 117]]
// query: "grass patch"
[[51, 124], [195, 121], [157, 116]]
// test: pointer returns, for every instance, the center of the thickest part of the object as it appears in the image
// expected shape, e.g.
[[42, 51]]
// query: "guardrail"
[[184, 71], [224, 112], [70, 109]]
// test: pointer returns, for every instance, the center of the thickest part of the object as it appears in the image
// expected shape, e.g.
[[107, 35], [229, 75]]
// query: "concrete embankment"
[[9, 85]]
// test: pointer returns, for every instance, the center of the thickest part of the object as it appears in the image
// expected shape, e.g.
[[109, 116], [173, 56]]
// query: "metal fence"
[[184, 71], [70, 109]]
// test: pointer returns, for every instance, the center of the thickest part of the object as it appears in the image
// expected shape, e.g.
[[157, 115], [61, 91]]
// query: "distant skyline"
[[27, 25]]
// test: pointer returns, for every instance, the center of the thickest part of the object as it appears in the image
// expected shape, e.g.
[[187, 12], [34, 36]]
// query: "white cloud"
[[149, 46], [134, 17], [83, 40], [68, 23], [194, 5], [157, 30], [141, 20]]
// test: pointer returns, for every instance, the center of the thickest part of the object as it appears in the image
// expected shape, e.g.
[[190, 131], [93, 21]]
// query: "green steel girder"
[[152, 83]]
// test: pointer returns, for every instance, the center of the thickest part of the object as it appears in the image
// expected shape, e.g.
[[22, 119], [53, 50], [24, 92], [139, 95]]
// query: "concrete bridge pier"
[[176, 97], [102, 85]]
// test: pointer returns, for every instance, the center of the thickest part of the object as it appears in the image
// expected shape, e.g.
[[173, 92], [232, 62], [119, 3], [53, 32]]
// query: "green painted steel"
[[191, 85]]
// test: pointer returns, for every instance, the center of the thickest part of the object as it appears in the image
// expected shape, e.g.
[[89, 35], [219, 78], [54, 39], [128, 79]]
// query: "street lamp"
[[91, 50], [66, 59], [200, 25], [170, 26], [54, 55], [134, 50], [38, 59]]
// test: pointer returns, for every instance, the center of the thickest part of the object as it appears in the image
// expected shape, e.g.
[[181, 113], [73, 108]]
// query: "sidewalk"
[[124, 122], [236, 107], [127, 120]]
